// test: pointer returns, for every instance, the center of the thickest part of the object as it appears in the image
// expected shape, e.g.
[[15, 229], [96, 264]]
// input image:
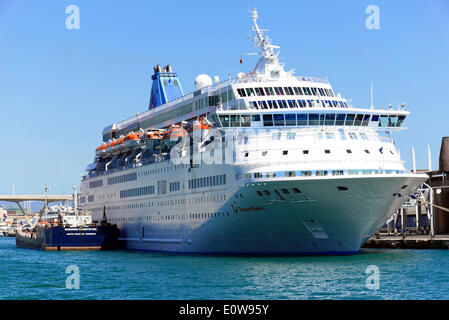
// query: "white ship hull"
[[321, 219]]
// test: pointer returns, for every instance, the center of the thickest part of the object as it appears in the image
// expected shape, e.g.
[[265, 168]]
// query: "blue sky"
[[60, 87]]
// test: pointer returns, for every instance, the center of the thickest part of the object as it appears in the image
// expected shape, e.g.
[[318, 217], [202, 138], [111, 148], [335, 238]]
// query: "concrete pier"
[[408, 242]]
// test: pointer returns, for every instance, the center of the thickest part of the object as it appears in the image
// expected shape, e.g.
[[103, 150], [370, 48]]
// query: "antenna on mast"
[[259, 40]]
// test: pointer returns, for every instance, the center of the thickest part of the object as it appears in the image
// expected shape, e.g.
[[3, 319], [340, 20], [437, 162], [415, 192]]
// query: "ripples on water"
[[404, 274]]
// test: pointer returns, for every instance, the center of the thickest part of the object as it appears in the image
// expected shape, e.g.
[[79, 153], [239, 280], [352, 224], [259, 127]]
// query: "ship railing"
[[252, 79]]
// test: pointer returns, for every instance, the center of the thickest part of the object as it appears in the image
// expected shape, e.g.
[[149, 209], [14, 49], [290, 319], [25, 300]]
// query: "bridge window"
[[278, 119], [358, 120], [241, 92], [245, 121], [255, 117], [302, 119], [313, 119], [383, 121], [272, 104], [322, 119], [267, 120], [301, 103], [340, 119], [224, 121], [298, 91], [392, 120], [330, 119], [279, 91], [290, 119], [282, 104], [400, 121], [307, 91], [365, 120], [292, 103], [235, 120], [350, 119]]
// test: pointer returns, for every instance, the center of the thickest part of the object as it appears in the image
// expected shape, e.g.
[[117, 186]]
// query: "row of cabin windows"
[[207, 182], [318, 173], [183, 216], [285, 91], [284, 104], [312, 119], [164, 116], [123, 178], [165, 203], [136, 192], [284, 191], [326, 151], [174, 186], [96, 184]]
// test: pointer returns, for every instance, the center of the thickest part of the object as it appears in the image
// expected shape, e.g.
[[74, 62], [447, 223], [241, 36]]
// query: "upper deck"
[[267, 91]]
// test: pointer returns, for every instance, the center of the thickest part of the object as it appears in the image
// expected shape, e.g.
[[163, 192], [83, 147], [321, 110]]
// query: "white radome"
[[202, 81]]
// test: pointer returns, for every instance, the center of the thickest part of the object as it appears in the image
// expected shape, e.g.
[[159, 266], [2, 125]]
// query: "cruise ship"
[[264, 163]]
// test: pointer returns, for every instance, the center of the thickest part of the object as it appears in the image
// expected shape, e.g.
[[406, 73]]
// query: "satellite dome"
[[202, 81], [240, 75]]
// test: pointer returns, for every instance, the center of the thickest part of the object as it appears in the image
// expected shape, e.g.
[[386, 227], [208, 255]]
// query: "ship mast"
[[267, 49]]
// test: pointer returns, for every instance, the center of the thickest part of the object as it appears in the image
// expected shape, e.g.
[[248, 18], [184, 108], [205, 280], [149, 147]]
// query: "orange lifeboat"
[[101, 150], [175, 131], [108, 148], [116, 145], [154, 135], [131, 141]]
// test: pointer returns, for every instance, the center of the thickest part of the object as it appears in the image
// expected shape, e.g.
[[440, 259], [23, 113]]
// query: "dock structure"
[[26, 216], [423, 221]]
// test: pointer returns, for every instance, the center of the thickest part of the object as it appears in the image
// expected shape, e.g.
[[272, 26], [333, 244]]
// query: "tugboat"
[[61, 228]]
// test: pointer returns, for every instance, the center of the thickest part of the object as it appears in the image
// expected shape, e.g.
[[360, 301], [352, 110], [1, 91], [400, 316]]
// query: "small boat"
[[131, 141], [101, 150], [61, 228]]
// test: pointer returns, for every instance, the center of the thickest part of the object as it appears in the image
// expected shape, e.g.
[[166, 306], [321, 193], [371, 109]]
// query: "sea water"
[[371, 274]]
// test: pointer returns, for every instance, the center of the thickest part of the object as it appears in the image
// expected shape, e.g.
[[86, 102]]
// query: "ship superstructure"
[[265, 163]]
